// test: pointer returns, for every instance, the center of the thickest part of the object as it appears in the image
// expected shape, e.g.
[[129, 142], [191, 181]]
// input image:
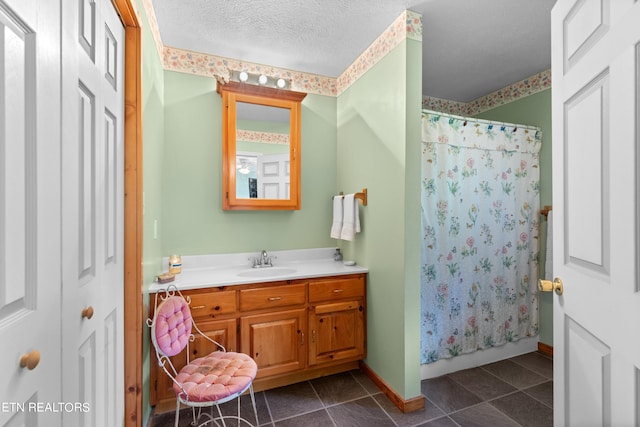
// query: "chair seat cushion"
[[216, 376]]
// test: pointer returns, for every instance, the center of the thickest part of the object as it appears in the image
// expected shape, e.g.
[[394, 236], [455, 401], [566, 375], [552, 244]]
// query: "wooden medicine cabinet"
[[260, 147]]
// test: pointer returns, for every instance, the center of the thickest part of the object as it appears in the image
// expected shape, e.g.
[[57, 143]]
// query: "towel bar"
[[545, 211], [362, 196]]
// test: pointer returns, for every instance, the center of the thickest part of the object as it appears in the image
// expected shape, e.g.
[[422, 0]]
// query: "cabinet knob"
[[30, 360], [87, 312]]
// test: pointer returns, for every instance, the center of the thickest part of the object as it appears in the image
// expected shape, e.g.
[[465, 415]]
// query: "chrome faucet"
[[264, 260]]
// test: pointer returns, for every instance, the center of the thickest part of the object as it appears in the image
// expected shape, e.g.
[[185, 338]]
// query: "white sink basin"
[[267, 272]]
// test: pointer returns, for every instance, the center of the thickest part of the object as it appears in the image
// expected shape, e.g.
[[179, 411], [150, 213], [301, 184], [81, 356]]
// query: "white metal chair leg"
[[253, 402], [224, 424], [177, 413], [193, 415]]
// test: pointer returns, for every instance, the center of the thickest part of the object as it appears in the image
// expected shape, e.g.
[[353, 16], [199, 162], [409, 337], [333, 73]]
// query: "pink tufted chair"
[[208, 381]]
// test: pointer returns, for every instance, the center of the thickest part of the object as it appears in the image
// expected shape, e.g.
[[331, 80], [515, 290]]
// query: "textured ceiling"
[[470, 47]]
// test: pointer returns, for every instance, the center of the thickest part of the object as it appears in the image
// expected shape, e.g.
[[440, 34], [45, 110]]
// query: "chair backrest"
[[171, 327]]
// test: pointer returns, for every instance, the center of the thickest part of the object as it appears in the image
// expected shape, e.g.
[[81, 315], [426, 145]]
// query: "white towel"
[[548, 262], [336, 226], [351, 218]]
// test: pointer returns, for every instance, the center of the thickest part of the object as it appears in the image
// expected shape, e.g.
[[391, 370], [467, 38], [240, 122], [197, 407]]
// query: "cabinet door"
[[222, 331], [276, 341], [337, 332]]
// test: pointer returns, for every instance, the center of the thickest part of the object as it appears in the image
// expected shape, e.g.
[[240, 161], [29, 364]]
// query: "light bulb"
[[281, 83], [243, 76], [262, 79]]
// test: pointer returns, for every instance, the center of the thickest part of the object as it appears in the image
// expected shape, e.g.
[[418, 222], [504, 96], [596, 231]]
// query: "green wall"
[[369, 136], [378, 148], [182, 189], [193, 221], [153, 196], [535, 110]]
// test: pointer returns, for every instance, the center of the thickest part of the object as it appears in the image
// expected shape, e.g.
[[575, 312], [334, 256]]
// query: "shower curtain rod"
[[488, 122]]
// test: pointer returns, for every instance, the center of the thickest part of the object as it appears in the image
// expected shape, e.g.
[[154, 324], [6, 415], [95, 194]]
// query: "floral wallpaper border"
[[220, 68], [153, 25], [525, 87], [263, 137], [414, 25], [407, 25]]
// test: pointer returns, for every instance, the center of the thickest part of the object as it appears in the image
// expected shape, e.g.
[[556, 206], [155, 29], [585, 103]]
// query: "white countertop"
[[205, 271]]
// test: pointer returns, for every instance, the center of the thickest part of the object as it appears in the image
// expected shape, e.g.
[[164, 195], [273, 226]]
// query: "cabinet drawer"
[[331, 289], [276, 296], [211, 304]]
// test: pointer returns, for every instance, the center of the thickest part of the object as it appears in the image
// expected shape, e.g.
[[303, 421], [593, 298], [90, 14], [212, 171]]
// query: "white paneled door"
[[596, 127], [92, 211], [29, 212], [273, 173]]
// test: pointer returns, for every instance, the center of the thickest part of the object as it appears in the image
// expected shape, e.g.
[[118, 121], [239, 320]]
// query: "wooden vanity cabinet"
[[336, 320], [274, 336], [211, 303], [273, 297], [276, 341], [295, 330]]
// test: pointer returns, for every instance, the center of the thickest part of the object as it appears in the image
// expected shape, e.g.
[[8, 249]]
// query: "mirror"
[[262, 151], [261, 147]]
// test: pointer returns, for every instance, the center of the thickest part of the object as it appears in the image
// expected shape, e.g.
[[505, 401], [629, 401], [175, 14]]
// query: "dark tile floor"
[[513, 392]]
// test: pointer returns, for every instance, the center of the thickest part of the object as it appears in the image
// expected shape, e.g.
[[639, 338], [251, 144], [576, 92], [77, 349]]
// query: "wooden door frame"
[[132, 212]]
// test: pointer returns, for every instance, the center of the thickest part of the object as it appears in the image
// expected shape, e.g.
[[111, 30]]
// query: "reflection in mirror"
[[262, 151], [260, 147], [246, 175]]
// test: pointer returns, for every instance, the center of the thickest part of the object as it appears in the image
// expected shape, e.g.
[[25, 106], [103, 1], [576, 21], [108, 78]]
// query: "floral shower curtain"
[[480, 221]]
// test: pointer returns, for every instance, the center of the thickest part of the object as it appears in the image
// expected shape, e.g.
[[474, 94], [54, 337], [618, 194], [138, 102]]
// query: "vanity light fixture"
[[260, 80]]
